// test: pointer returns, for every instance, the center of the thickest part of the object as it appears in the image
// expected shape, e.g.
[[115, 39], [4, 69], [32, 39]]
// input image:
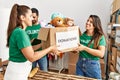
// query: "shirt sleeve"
[[102, 41], [22, 40]]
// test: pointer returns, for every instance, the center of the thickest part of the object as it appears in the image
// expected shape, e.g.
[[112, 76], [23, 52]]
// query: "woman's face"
[[89, 24], [28, 18]]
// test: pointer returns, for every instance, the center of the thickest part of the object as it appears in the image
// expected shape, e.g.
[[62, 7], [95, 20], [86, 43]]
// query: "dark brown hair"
[[98, 31], [34, 10], [14, 20]]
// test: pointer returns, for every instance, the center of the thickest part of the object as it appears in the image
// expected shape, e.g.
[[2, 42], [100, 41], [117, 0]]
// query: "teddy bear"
[[57, 22], [68, 22]]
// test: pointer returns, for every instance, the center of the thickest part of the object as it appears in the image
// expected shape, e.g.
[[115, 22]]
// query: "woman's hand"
[[55, 50], [79, 48]]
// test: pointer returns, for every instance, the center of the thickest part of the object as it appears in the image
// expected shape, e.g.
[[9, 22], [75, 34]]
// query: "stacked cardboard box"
[[118, 62], [1, 76], [73, 57], [102, 64], [115, 5], [114, 56], [113, 48]]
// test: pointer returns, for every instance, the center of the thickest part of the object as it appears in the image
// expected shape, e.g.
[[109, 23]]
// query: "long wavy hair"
[[14, 20], [98, 31]]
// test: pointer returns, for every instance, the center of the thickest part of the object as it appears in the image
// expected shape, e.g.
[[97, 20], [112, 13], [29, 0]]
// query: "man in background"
[[32, 32]]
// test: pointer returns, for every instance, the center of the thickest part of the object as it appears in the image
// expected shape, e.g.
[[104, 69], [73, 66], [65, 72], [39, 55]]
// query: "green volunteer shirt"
[[32, 32], [84, 40], [18, 40]]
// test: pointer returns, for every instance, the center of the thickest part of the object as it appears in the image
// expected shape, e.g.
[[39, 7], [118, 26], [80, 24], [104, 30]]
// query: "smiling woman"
[[21, 53], [92, 48]]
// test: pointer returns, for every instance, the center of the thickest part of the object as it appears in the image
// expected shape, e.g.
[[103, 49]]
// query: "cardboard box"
[[73, 57], [114, 56], [0, 62], [117, 4], [112, 69], [117, 39], [65, 37], [102, 64], [118, 19], [114, 6], [113, 19], [72, 69], [1, 77], [118, 62]]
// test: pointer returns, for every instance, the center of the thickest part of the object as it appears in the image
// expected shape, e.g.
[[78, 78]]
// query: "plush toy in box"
[[57, 19], [57, 22]]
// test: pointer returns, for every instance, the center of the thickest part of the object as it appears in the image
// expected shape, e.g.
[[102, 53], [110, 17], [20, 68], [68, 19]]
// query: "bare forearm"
[[95, 52], [39, 54], [35, 47], [32, 56]]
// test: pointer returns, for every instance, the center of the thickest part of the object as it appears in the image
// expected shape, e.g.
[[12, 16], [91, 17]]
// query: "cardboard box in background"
[[114, 56], [118, 19], [113, 19], [102, 64], [117, 39], [1, 76], [72, 60], [118, 62], [73, 57], [72, 69], [115, 5], [67, 37]]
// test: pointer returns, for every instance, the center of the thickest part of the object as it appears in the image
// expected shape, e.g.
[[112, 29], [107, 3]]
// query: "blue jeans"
[[42, 62], [88, 68]]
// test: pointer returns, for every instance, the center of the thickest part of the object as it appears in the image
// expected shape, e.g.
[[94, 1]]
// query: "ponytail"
[[14, 20]]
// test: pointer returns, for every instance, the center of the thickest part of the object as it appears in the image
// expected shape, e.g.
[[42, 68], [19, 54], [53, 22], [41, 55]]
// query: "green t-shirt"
[[18, 40], [32, 32], [84, 40]]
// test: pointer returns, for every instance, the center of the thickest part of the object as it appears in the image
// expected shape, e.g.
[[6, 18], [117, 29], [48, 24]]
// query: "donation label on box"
[[66, 40]]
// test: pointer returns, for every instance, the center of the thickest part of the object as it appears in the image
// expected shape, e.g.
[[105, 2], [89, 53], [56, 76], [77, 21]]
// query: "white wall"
[[4, 16], [79, 10]]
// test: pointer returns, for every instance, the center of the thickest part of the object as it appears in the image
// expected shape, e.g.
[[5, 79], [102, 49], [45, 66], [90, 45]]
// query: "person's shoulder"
[[39, 25], [16, 30], [102, 37], [19, 31], [28, 27], [83, 34]]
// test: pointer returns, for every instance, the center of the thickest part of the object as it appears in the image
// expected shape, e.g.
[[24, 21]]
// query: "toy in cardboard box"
[[69, 22], [57, 20]]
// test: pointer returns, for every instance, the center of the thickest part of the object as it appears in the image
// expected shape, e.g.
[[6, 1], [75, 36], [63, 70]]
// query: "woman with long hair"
[[92, 48], [21, 53]]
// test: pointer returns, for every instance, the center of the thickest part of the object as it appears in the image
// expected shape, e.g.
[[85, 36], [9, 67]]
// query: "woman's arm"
[[96, 52], [35, 47], [32, 56]]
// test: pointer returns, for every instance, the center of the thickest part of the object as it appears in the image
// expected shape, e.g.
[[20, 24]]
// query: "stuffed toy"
[[68, 22], [57, 22], [57, 14]]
